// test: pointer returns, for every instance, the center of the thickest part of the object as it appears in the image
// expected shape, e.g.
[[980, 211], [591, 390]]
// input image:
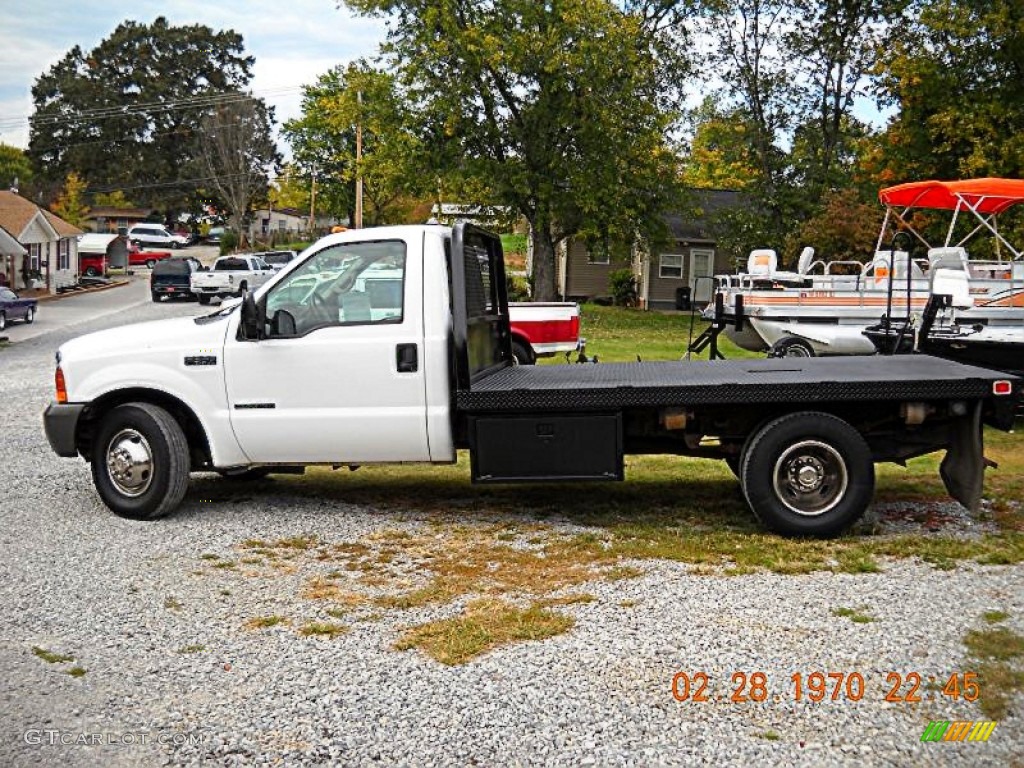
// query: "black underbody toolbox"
[[534, 447]]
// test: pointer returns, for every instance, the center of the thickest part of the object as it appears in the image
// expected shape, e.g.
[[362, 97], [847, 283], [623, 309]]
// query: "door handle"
[[407, 357]]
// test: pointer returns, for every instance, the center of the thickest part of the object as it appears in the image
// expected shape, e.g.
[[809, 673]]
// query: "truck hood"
[[183, 334]]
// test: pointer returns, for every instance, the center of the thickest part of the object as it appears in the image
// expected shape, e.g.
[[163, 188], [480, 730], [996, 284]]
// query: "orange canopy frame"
[[983, 196]]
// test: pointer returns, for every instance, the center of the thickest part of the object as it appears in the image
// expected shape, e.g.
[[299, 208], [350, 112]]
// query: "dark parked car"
[[13, 308], [173, 277]]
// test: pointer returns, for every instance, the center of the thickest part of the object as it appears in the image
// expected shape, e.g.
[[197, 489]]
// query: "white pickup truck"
[[323, 366], [231, 276]]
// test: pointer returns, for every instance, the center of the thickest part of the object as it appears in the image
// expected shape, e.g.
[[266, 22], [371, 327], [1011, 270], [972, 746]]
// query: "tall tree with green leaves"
[[956, 77], [130, 109], [15, 167], [560, 109]]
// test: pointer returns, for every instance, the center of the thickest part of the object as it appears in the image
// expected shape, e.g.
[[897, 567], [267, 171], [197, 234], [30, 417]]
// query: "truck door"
[[339, 376]]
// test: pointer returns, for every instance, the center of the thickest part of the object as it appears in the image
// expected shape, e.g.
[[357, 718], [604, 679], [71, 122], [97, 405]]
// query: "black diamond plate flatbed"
[[725, 382]]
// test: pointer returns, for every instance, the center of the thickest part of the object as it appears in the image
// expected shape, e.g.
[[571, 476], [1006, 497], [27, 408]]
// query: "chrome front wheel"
[[130, 463]]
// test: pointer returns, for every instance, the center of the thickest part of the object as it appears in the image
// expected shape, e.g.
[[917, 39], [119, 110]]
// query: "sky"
[[292, 42]]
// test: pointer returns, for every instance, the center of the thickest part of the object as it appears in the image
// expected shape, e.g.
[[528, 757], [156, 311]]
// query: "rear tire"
[[140, 461], [522, 354], [203, 298], [3, 321], [150, 263], [808, 474], [155, 295], [30, 315], [91, 272]]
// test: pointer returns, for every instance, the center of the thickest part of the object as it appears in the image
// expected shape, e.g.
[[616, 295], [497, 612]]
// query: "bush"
[[228, 242], [622, 284], [518, 287]]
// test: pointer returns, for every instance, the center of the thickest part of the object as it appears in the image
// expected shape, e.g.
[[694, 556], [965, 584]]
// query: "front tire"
[[91, 272], [808, 474], [150, 263], [140, 461]]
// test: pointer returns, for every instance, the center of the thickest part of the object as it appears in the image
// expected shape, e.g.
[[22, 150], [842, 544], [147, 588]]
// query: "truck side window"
[[345, 284]]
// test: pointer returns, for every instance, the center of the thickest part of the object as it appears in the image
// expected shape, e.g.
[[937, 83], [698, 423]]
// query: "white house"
[[50, 260]]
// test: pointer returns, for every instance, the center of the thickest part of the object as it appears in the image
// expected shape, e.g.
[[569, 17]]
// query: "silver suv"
[[155, 234]]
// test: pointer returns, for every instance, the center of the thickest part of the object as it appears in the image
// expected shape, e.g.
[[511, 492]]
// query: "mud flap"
[[963, 468]]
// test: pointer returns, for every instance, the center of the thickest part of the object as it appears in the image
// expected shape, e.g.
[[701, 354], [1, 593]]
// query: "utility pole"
[[359, 161], [312, 204]]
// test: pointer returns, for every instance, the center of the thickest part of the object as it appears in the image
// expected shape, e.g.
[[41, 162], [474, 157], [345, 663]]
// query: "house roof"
[[63, 228], [10, 244], [16, 213], [697, 222]]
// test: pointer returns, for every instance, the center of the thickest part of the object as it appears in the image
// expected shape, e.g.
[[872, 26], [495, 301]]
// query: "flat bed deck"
[[725, 382]]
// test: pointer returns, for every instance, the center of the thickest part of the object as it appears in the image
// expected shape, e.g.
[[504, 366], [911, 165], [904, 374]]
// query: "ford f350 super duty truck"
[[325, 365]]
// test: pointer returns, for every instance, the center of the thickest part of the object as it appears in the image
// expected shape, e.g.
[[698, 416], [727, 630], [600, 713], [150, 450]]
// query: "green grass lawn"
[[616, 334]]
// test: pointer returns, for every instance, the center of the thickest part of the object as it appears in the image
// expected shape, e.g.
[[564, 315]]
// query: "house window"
[[35, 252], [671, 266], [597, 253], [282, 225], [63, 254]]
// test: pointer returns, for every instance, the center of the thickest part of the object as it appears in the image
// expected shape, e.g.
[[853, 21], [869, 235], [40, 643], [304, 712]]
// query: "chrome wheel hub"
[[810, 478], [130, 462]]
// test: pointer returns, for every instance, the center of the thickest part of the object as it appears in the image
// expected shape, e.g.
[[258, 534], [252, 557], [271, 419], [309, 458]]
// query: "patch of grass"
[[76, 671], [998, 644], [994, 617], [264, 622], [192, 649], [172, 604], [323, 629], [856, 615], [998, 650], [225, 564], [769, 736], [486, 624], [50, 657], [999, 683], [628, 603], [225, 592], [209, 556]]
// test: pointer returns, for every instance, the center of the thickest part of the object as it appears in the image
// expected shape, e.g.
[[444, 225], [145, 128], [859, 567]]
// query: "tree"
[[394, 168], [956, 75], [115, 199], [15, 167], [238, 154], [70, 203], [130, 109], [289, 191], [558, 109]]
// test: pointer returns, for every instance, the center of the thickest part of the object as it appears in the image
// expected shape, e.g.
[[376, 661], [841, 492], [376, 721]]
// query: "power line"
[[146, 108]]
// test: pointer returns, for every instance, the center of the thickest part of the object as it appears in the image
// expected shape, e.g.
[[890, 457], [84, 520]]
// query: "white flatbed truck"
[[318, 367]]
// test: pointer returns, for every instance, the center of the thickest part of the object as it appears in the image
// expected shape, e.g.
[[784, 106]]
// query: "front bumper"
[[60, 420]]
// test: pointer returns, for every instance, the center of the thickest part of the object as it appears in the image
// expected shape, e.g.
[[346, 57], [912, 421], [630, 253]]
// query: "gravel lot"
[[124, 599]]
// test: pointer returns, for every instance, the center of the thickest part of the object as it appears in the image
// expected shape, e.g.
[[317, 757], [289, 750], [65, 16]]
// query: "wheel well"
[[198, 443]]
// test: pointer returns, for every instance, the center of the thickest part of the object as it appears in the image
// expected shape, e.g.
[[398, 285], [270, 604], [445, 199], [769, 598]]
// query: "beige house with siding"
[[50, 260]]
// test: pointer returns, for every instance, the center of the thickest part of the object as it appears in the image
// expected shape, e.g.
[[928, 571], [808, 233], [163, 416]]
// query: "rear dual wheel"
[[807, 474]]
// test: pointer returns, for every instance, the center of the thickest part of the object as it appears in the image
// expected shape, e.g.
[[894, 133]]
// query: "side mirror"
[[252, 323]]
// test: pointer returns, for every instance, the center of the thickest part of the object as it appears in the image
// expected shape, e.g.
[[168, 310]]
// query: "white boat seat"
[[948, 257], [953, 283], [762, 262], [803, 264]]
